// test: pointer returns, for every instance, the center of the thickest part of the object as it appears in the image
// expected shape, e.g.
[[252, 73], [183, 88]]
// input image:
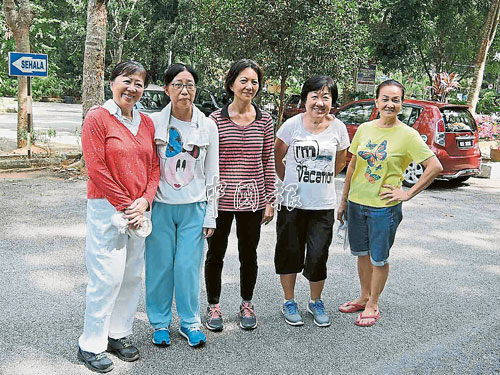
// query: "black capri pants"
[[304, 237]]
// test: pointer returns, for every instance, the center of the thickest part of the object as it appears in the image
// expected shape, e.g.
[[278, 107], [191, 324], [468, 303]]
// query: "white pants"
[[114, 265]]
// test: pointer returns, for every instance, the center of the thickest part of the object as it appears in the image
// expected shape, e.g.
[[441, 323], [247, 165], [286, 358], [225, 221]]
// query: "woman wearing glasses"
[[183, 214]]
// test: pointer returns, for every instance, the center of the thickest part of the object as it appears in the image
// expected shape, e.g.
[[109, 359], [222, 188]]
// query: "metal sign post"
[[29, 103], [28, 65], [365, 79]]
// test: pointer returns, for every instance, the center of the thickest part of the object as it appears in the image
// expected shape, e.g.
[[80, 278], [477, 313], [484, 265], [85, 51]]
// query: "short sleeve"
[[417, 148], [353, 149], [343, 136], [285, 132]]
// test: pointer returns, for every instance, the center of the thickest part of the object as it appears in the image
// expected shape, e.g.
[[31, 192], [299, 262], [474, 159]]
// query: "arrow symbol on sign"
[[27, 64]]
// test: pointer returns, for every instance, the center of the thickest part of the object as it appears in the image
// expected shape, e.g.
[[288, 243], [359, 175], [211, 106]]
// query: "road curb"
[[22, 161]]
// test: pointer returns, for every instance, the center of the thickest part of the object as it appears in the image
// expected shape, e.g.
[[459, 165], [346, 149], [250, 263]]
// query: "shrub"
[[8, 85], [489, 102], [51, 86]]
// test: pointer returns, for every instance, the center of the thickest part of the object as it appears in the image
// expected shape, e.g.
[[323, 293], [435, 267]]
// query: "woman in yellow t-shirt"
[[382, 150]]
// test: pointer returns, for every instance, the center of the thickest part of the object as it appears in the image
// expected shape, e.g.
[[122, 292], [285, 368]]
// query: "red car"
[[449, 130]]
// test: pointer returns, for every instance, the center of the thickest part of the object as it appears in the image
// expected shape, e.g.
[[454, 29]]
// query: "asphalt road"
[[64, 118], [439, 309]]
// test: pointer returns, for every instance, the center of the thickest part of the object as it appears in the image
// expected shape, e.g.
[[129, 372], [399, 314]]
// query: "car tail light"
[[440, 135]]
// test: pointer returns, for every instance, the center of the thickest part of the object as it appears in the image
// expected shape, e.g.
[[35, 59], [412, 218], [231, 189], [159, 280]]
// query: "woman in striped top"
[[246, 163]]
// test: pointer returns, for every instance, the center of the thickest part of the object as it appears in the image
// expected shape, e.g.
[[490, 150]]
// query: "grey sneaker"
[[291, 313], [247, 317], [213, 320], [96, 362], [123, 349], [317, 310]]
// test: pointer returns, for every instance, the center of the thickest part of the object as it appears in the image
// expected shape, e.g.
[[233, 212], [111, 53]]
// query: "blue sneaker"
[[161, 337], [317, 310], [291, 313], [194, 336]]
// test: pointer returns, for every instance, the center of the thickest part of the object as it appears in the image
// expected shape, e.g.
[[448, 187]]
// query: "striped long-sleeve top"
[[246, 162]]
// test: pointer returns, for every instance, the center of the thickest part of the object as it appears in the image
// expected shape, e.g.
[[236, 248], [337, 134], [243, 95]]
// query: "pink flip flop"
[[350, 307], [369, 324]]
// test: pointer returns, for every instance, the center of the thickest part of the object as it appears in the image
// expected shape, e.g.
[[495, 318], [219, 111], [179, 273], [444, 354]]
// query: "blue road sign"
[[28, 64]]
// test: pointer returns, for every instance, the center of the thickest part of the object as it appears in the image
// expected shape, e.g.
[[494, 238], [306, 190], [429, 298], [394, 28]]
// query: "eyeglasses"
[[179, 86]]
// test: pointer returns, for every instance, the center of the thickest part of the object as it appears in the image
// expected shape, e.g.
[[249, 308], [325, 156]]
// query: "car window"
[[356, 114], [458, 120], [295, 99], [153, 99], [203, 97], [409, 114], [221, 98]]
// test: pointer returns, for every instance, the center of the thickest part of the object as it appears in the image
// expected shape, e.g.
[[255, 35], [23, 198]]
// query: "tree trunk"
[[348, 90], [424, 63], [19, 18], [95, 50], [490, 28], [153, 66], [22, 38], [282, 101], [116, 54]]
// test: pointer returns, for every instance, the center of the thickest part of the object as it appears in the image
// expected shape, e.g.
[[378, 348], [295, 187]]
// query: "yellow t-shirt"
[[382, 156]]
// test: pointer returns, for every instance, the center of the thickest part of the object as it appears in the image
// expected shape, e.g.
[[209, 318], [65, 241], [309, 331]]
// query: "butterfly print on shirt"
[[378, 155]]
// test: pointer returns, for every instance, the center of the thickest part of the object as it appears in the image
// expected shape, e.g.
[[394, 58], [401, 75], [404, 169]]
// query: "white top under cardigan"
[[132, 125]]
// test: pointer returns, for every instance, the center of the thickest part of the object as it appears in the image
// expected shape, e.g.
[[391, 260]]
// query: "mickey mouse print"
[[178, 164]]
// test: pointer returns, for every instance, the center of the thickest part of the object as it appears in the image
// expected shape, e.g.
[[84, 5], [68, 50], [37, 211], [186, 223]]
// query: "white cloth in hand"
[[121, 224]]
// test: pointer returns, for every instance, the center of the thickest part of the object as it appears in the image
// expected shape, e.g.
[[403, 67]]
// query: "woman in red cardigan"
[[123, 168]]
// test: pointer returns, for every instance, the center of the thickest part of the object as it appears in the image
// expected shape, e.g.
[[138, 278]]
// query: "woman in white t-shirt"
[[315, 144]]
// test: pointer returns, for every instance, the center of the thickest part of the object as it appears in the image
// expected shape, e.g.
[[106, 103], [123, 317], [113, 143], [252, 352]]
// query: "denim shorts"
[[372, 230]]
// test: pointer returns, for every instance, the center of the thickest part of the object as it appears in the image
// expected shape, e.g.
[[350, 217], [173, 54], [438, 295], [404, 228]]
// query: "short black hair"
[[316, 83], [390, 82], [176, 68], [237, 68], [129, 67]]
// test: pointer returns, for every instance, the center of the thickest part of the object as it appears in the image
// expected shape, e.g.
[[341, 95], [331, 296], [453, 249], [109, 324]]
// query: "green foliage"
[[428, 36], [357, 96], [416, 87], [58, 30], [489, 102], [50, 86], [492, 68], [290, 39], [287, 38], [456, 101], [23, 134], [8, 85], [150, 33]]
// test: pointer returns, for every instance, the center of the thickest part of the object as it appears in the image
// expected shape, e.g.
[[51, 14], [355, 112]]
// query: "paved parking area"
[[439, 309]]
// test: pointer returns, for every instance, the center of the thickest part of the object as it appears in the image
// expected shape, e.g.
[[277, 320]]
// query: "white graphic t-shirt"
[[310, 164], [183, 173]]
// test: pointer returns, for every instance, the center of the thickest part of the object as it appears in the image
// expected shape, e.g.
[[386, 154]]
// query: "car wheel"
[[413, 174]]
